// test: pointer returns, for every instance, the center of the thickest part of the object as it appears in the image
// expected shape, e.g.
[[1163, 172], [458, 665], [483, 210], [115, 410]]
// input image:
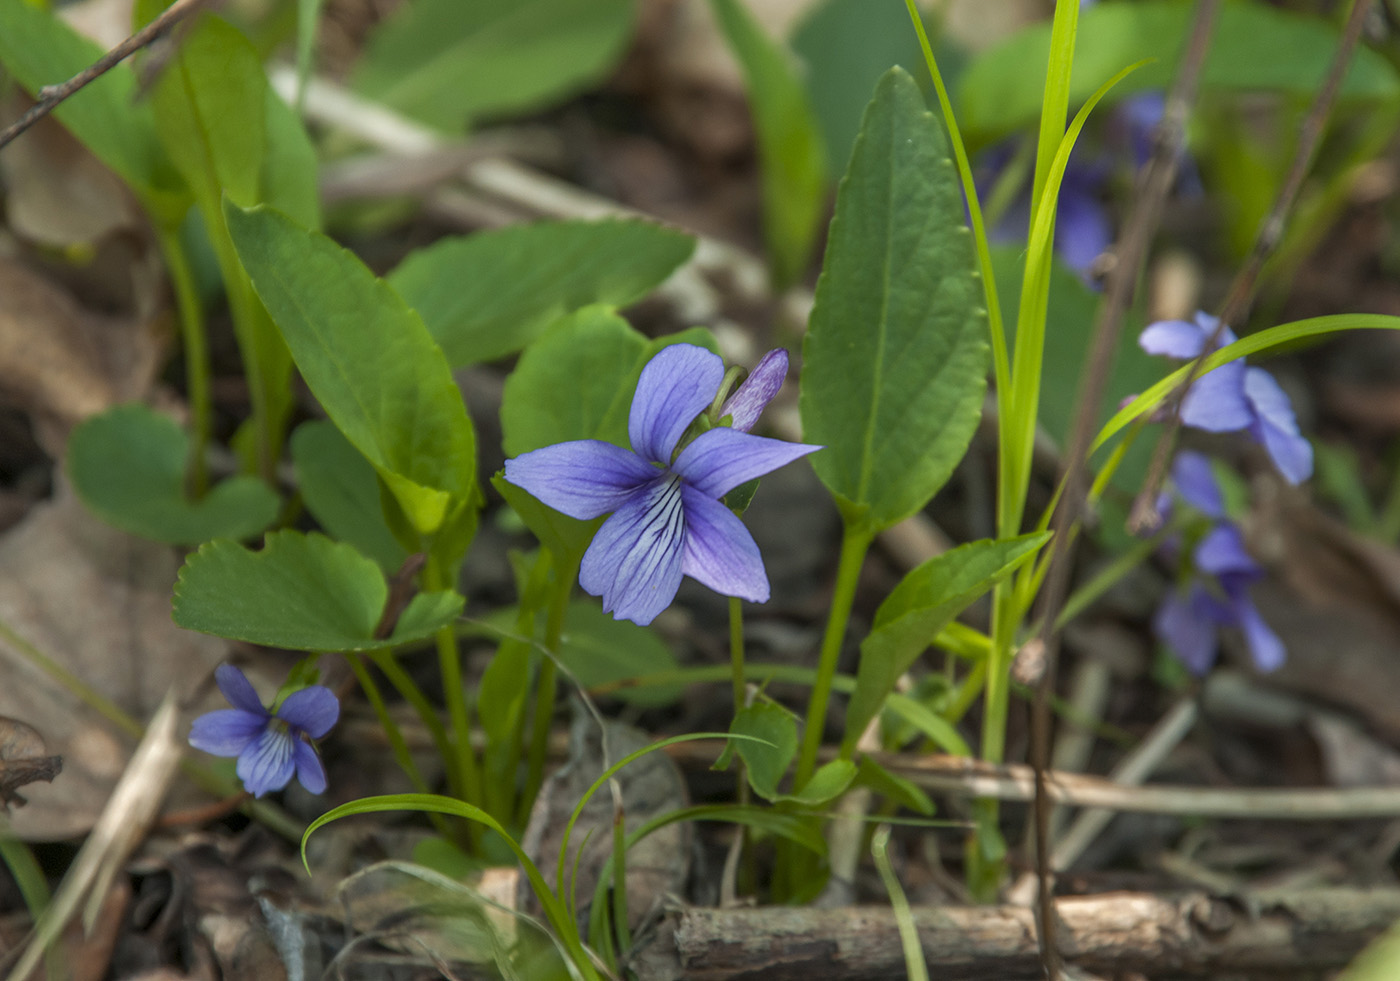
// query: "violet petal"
[[1276, 427], [752, 397], [1266, 650], [1195, 482], [676, 386], [313, 710], [239, 690], [267, 763], [1221, 553], [1188, 631], [308, 767], [584, 478], [634, 561], [226, 732], [1216, 402], [1180, 339], [719, 551], [719, 460]]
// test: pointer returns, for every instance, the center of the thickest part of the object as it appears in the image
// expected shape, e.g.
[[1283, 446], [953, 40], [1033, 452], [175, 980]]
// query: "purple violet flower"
[[1233, 397], [668, 519], [1188, 622], [271, 748]]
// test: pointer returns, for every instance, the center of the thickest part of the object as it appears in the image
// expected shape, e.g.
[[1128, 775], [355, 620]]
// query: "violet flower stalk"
[[1233, 397], [668, 519], [271, 747], [1189, 619]]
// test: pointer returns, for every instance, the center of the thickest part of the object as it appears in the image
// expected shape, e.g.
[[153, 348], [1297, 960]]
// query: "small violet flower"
[[270, 747], [1233, 397], [1189, 620], [668, 519]]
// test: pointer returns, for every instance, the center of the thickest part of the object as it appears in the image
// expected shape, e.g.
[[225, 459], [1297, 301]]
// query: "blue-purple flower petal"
[[719, 551], [308, 767], [1187, 625], [1221, 553], [634, 561], [1266, 650], [1180, 339], [226, 732], [1083, 230], [719, 460], [267, 763], [675, 386], [584, 478], [1276, 427], [1216, 401], [239, 691], [752, 397], [1195, 482], [312, 710]]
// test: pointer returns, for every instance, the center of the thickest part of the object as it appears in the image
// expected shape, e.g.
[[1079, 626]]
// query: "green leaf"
[[596, 649], [577, 381], [37, 49], [447, 62], [301, 592], [342, 492], [210, 101], [923, 719], [789, 143], [487, 295], [893, 786], [770, 749], [289, 165], [369, 361], [128, 466], [846, 46], [925, 601], [1254, 48], [895, 357]]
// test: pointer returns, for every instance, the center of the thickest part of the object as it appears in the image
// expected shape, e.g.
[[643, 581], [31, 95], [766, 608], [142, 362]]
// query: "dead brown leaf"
[[61, 363], [97, 602], [24, 760]]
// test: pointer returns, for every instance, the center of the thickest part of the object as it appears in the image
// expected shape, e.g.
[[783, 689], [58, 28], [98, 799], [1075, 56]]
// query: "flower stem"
[[468, 778], [196, 349], [855, 542], [404, 685], [736, 650], [546, 688]]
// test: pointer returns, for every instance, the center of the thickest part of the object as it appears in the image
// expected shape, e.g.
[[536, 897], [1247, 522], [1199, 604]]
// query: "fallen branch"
[[1288, 934]]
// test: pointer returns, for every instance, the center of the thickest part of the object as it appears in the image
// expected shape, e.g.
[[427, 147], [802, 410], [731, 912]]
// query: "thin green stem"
[[736, 650], [468, 775], [103, 706], [389, 666], [547, 689], [386, 721], [196, 347], [855, 542]]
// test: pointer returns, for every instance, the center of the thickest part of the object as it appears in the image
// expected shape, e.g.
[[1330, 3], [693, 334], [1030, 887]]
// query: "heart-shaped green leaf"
[[302, 592], [128, 466]]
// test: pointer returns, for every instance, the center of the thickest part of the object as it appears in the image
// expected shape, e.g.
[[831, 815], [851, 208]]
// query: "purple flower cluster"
[[271, 747], [1216, 594], [668, 519], [1233, 397]]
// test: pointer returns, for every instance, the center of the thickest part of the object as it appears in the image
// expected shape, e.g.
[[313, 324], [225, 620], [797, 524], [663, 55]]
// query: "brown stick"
[[50, 96], [1294, 933], [1144, 511], [1140, 226]]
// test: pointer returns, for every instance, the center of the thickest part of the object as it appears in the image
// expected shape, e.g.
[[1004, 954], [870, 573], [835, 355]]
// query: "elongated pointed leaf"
[[369, 360], [770, 750], [895, 358], [924, 602], [789, 142], [128, 466], [487, 295], [301, 592], [448, 62]]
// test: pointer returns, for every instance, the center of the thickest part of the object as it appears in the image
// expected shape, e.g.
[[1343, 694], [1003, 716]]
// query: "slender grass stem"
[[468, 775], [547, 687]]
